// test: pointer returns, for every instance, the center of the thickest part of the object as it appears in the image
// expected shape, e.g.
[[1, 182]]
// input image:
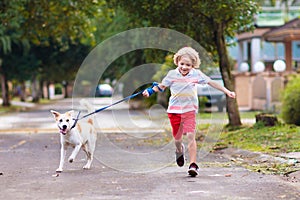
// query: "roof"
[[258, 32], [287, 32]]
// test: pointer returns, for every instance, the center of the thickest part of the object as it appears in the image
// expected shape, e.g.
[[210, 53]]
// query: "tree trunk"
[[23, 91], [48, 90], [65, 84], [41, 88], [4, 87], [232, 107], [34, 90]]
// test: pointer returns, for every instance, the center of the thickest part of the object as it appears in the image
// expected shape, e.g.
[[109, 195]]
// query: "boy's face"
[[185, 65]]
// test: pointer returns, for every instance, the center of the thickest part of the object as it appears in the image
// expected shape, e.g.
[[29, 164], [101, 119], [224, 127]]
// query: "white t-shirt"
[[183, 89]]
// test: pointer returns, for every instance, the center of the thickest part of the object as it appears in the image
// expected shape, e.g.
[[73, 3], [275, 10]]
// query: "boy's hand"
[[145, 93], [231, 94], [148, 92]]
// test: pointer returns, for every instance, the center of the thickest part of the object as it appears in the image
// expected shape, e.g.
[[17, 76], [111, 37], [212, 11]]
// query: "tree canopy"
[[31, 28], [37, 21], [50, 31], [208, 22]]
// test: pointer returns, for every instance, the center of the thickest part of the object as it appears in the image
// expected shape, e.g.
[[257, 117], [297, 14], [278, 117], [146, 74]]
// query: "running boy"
[[183, 103]]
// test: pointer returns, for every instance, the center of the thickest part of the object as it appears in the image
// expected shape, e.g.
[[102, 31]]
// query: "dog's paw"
[[59, 170], [71, 160], [86, 166]]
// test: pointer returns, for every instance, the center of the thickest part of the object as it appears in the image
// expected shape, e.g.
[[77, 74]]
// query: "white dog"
[[83, 135]]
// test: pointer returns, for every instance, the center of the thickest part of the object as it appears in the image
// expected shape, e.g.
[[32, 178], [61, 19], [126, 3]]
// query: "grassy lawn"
[[14, 108], [10, 109], [243, 115], [282, 138]]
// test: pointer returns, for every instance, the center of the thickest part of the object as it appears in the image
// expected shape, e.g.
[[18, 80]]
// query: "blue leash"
[[105, 107]]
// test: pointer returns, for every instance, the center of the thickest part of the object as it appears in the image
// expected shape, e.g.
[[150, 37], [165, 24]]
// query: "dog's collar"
[[75, 120]]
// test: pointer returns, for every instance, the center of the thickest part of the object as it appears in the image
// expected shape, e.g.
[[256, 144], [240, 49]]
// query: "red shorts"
[[182, 123]]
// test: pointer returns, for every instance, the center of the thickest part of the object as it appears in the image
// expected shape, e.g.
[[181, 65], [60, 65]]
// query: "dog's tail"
[[90, 108], [87, 105]]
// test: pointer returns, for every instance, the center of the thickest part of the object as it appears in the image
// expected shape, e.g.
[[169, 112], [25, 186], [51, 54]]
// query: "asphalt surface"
[[133, 161]]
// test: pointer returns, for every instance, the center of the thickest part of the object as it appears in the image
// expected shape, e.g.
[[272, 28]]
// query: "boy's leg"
[[192, 147], [178, 144], [179, 153], [189, 127], [175, 120]]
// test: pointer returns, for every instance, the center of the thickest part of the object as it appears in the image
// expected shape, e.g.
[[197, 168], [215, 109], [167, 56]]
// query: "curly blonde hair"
[[191, 53]]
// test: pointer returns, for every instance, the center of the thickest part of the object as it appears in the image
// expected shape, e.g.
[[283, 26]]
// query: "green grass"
[[243, 115], [10, 109], [280, 138], [14, 108], [44, 101], [277, 139]]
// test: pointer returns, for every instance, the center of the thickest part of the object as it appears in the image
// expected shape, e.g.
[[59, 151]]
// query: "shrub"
[[202, 102], [58, 88], [291, 102]]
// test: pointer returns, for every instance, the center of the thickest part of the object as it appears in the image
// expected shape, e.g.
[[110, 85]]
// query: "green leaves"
[[5, 43], [10, 23], [198, 19], [38, 21], [291, 102]]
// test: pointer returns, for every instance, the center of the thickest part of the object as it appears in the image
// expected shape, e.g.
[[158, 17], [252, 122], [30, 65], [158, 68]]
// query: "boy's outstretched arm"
[[229, 93], [155, 88]]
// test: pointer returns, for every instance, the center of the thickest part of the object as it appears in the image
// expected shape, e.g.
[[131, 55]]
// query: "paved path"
[[28, 163], [129, 164]]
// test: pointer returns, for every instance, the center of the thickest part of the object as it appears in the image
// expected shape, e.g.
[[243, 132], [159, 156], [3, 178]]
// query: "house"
[[265, 58]]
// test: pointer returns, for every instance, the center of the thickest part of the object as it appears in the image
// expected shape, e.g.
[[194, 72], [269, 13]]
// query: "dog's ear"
[[55, 113], [70, 113]]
